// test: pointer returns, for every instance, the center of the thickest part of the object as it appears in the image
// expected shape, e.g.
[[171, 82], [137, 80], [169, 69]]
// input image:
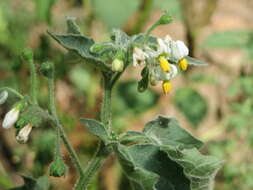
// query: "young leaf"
[[198, 168], [167, 131], [96, 128]]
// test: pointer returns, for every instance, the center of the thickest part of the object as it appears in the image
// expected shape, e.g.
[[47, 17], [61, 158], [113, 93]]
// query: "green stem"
[[106, 104], [96, 161], [12, 91], [59, 126], [92, 168], [33, 82]]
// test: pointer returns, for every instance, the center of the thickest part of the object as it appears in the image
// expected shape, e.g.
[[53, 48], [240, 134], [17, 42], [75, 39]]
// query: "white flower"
[[3, 97], [139, 57], [164, 45], [160, 75], [11, 117], [178, 50], [23, 134]]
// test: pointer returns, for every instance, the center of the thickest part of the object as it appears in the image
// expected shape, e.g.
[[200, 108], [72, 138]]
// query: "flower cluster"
[[164, 61], [12, 117]]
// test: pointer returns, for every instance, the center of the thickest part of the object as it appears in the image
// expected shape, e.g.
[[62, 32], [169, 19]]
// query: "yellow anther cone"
[[164, 64], [183, 64], [167, 86]]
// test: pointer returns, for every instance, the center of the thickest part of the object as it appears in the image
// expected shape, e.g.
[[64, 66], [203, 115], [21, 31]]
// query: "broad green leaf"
[[72, 27], [198, 168], [228, 39], [196, 62], [30, 183], [140, 178], [79, 44], [191, 104], [148, 168], [167, 131], [96, 128]]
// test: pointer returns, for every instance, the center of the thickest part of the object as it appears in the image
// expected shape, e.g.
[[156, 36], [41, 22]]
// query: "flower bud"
[[27, 54], [47, 69], [117, 65], [12, 116], [58, 168], [165, 19], [3, 97], [23, 134]]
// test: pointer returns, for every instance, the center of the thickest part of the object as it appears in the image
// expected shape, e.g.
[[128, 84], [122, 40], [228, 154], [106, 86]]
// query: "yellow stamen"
[[183, 64], [167, 86], [164, 64]]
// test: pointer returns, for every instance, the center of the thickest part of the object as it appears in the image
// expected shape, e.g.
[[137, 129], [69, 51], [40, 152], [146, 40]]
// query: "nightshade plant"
[[163, 156]]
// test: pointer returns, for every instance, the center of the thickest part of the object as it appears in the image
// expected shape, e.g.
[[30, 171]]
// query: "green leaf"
[[148, 168], [72, 27], [79, 44], [228, 39], [30, 183], [96, 128], [192, 104], [198, 168], [196, 62], [140, 178], [167, 131]]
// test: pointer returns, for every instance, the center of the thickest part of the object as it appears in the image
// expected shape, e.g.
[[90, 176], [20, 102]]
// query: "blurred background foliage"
[[215, 102]]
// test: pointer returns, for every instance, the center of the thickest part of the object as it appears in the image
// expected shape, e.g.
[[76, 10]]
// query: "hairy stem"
[[96, 161], [16, 93], [71, 151]]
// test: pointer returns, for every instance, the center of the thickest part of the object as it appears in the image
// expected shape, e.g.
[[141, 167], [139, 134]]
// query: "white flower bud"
[[24, 133], [11, 117], [3, 97], [178, 50], [117, 65]]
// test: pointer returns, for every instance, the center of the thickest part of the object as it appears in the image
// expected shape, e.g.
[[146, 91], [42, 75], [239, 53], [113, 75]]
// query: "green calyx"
[[165, 19], [47, 69], [58, 168]]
